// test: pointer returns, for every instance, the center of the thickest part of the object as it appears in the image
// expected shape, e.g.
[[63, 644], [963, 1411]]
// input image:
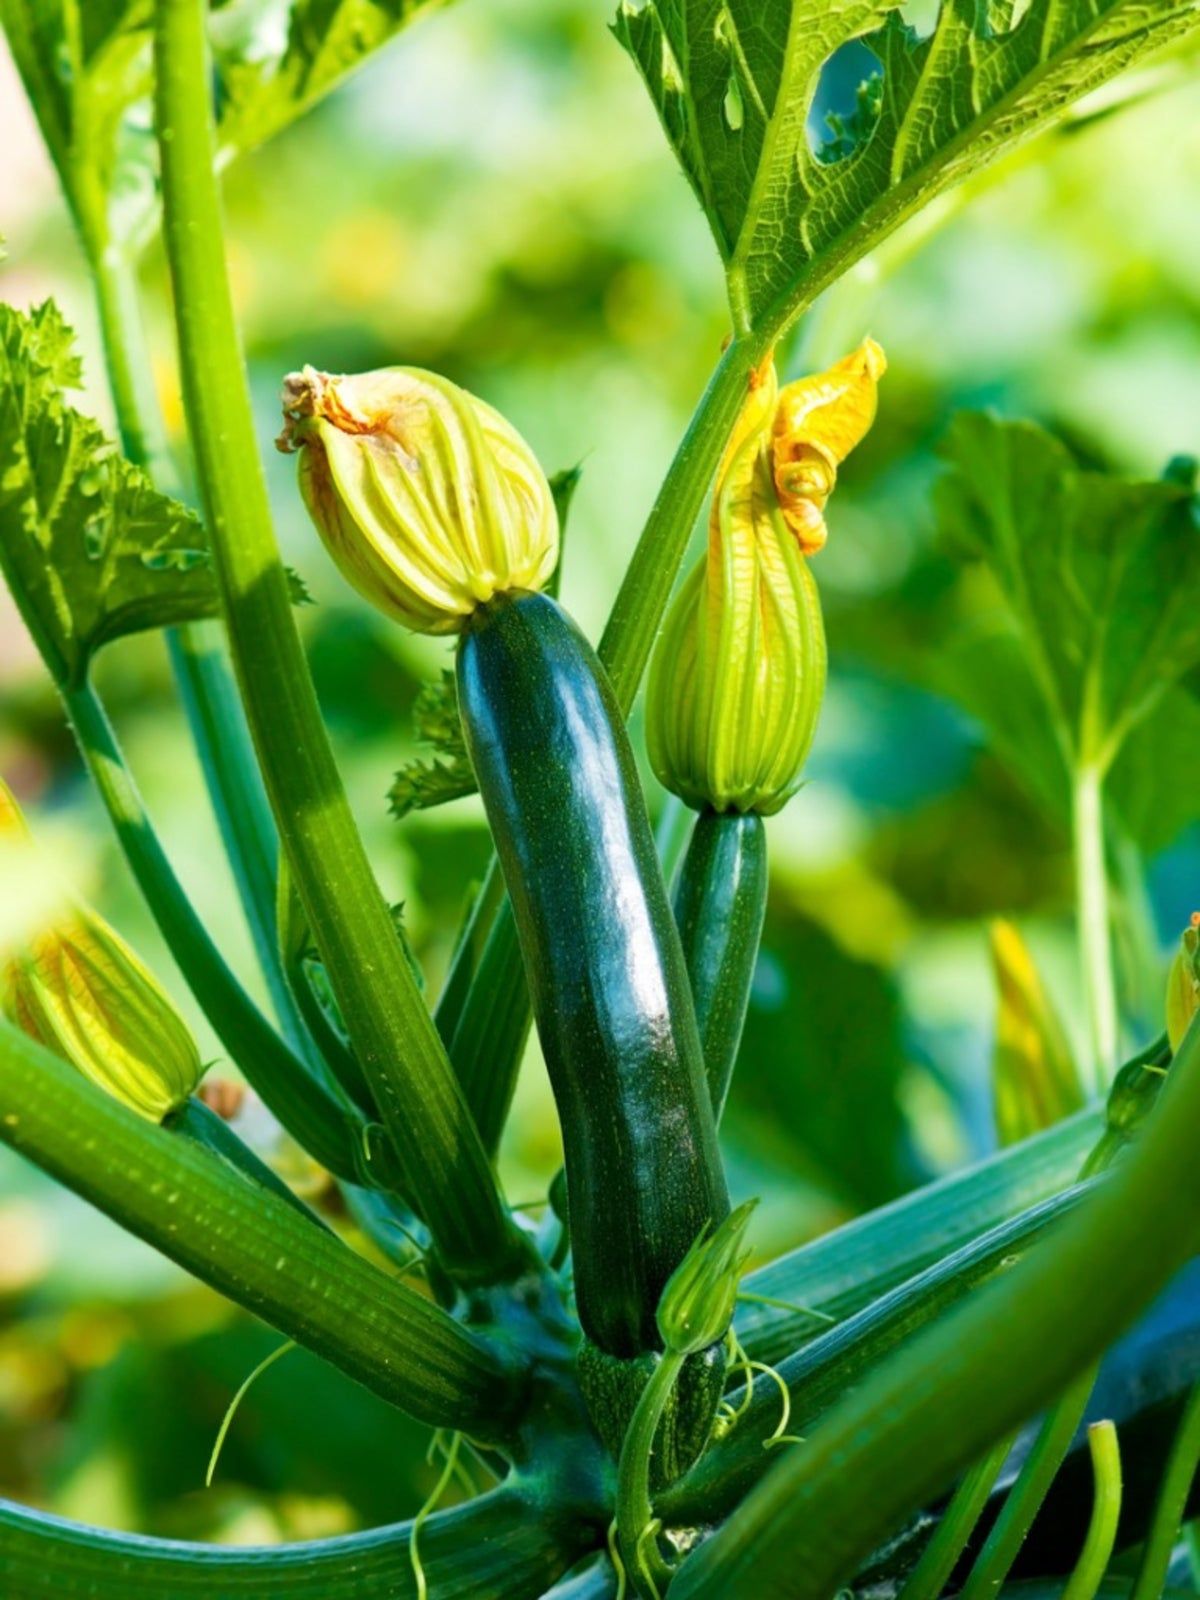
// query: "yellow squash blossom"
[[738, 675], [427, 499]]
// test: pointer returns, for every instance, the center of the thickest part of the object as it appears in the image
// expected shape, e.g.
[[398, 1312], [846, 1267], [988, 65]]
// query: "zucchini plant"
[[892, 1409]]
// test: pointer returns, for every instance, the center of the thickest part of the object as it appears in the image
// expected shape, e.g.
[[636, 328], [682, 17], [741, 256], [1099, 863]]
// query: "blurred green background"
[[492, 197]]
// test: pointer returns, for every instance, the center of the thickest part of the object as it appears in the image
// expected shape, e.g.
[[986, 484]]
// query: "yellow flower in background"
[[427, 499], [76, 987], [738, 675], [1035, 1082], [818, 421]]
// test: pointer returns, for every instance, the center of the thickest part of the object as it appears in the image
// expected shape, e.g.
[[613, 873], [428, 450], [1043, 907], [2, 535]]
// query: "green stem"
[[846, 1270], [201, 672], [247, 828], [641, 601], [635, 1510], [308, 1112], [1094, 926], [958, 1522], [1171, 1504], [1101, 1537], [498, 1545], [1025, 1498], [252, 1245], [446, 1169], [894, 1442], [196, 1121]]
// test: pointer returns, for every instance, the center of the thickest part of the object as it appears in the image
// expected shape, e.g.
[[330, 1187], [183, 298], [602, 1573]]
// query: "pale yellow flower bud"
[[78, 989], [427, 499]]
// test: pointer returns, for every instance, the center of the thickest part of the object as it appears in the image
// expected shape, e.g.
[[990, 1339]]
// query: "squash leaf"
[[1100, 577], [89, 549], [87, 69], [734, 80]]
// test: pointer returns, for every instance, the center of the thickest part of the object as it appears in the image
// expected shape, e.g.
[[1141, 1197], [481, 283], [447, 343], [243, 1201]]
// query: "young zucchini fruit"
[[738, 676], [606, 971], [438, 512]]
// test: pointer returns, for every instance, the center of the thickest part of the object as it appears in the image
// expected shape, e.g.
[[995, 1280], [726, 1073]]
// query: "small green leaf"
[[1100, 575], [447, 775], [89, 549], [788, 218]]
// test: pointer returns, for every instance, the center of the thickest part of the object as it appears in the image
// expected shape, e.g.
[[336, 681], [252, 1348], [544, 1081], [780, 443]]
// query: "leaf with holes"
[[734, 81], [1101, 576], [88, 548]]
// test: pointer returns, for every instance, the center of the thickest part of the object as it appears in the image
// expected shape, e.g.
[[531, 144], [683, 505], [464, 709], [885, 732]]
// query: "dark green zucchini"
[[720, 903], [602, 955]]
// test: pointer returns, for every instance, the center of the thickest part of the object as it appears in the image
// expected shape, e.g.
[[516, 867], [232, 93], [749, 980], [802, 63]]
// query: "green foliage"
[[1101, 578], [447, 775], [733, 80], [90, 549], [87, 67]]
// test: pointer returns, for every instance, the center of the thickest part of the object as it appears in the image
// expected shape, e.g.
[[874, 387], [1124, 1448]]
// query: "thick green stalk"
[[1093, 921], [446, 1170], [489, 1040], [1171, 1505], [197, 657], [844, 1271], [1025, 1498], [956, 1525], [502, 1545], [949, 1393], [331, 1133], [252, 1245]]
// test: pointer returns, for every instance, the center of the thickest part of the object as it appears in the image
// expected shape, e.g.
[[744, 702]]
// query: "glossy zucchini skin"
[[720, 902], [602, 954]]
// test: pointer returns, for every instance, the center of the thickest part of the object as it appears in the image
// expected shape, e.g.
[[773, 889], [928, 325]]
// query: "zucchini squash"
[[603, 957]]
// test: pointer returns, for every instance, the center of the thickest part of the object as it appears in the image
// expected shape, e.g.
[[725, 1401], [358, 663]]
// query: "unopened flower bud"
[[76, 987], [1183, 984], [697, 1303], [1035, 1082], [427, 499]]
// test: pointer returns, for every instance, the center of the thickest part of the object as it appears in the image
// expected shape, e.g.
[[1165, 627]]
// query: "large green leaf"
[[734, 80], [86, 66], [1101, 577], [89, 549]]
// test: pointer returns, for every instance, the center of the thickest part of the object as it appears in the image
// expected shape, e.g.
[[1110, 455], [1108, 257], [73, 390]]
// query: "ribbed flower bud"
[[427, 499], [738, 675], [1183, 984], [697, 1303], [78, 989]]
